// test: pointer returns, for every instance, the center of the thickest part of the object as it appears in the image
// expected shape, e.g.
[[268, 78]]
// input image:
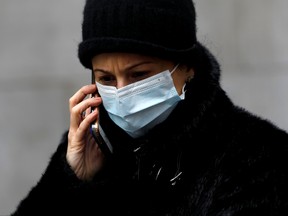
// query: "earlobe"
[[189, 78], [190, 75]]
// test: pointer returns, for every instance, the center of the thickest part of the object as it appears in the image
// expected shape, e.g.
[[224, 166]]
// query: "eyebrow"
[[129, 67], [100, 70]]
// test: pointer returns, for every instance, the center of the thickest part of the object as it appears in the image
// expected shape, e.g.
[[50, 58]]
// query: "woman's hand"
[[83, 153]]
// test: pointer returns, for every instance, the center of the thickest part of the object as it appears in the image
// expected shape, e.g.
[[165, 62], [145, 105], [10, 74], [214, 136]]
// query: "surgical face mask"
[[138, 107]]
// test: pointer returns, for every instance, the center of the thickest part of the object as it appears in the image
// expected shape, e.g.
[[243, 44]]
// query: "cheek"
[[179, 83]]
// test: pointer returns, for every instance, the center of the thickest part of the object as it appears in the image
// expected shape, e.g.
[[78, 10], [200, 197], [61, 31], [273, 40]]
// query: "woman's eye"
[[140, 74], [105, 80]]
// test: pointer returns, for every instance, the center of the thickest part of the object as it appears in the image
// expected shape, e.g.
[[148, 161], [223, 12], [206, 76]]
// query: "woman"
[[172, 141]]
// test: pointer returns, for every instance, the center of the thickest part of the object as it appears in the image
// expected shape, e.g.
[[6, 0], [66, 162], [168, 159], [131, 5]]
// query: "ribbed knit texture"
[[165, 28]]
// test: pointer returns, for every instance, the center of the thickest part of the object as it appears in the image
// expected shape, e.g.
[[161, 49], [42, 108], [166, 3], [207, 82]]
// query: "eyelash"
[[111, 80], [105, 79], [139, 74]]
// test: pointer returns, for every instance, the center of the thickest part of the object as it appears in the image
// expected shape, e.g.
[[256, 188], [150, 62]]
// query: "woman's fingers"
[[83, 153], [85, 124], [81, 94], [76, 111]]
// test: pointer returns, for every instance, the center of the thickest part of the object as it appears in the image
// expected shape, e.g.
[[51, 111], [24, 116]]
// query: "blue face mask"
[[139, 106]]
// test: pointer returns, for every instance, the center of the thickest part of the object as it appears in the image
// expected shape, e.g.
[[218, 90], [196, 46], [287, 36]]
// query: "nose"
[[121, 82]]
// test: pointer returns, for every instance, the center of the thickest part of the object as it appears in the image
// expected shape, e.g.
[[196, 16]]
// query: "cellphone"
[[96, 129]]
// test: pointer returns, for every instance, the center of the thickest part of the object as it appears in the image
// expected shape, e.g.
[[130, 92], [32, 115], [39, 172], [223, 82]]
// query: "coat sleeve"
[[254, 179], [58, 190]]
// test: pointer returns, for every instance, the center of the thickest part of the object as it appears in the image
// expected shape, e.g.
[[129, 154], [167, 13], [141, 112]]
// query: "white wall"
[[249, 38], [39, 71]]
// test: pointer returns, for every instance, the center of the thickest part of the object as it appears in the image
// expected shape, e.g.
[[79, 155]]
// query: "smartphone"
[[96, 129]]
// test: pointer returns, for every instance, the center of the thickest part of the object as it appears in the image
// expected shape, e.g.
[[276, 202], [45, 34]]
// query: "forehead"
[[106, 59]]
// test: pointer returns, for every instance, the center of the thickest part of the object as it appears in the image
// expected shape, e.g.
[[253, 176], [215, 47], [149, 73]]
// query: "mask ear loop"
[[174, 69], [182, 96]]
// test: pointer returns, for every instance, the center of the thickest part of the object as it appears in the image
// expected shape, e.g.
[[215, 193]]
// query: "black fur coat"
[[210, 157]]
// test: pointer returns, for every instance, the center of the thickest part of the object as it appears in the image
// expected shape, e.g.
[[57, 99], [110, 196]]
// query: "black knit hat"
[[163, 28]]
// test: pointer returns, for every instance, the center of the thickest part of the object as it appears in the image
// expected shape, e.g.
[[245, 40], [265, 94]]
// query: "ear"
[[189, 71]]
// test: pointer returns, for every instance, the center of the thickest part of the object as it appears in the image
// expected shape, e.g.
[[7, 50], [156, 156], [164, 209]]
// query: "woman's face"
[[121, 69]]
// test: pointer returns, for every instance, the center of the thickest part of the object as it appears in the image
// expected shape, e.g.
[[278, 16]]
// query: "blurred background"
[[40, 71]]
